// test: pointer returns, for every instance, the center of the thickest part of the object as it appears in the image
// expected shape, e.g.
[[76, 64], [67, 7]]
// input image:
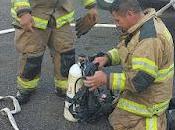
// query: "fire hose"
[[163, 9], [9, 113]]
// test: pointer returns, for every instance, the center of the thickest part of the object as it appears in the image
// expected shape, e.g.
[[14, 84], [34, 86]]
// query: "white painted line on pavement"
[[73, 25], [7, 31], [100, 25]]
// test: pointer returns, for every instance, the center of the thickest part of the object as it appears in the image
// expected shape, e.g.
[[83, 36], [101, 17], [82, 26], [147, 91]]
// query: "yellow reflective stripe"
[[14, 15], [140, 109], [160, 107], [151, 123], [133, 107], [21, 4], [118, 81], [40, 23], [89, 2], [165, 73], [145, 65], [114, 56], [167, 34], [28, 84], [61, 84], [65, 19]]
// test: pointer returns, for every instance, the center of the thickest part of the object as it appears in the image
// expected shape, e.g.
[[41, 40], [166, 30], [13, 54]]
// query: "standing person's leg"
[[62, 40], [31, 47]]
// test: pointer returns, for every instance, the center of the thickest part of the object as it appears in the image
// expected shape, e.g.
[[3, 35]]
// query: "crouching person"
[[146, 55]]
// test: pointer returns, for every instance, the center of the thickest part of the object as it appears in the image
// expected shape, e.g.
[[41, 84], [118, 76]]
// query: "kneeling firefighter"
[[146, 53], [46, 23], [82, 104], [170, 112]]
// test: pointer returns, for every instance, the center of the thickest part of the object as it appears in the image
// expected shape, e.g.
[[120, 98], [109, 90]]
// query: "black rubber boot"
[[23, 97], [60, 92]]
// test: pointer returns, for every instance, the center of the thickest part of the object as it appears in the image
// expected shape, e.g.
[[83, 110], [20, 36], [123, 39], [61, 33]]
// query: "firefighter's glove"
[[84, 24], [26, 22]]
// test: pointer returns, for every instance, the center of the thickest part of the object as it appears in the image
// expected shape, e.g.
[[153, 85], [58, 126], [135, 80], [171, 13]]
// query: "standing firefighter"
[[42, 23], [146, 55]]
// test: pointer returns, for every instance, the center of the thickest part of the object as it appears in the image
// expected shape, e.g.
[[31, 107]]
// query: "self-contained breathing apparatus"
[[82, 104]]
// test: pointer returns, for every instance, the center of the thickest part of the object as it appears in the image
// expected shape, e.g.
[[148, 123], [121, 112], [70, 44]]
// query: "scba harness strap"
[[90, 106], [83, 105]]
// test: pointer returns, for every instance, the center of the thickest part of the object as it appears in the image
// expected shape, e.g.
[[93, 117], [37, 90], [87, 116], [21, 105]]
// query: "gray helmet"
[[108, 4]]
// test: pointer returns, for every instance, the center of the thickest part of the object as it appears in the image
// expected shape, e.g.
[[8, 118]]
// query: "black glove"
[[83, 25]]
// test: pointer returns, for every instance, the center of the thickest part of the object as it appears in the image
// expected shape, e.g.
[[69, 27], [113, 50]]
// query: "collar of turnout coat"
[[149, 13]]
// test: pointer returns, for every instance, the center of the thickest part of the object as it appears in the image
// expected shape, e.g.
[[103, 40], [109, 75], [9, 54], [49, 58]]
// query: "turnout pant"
[[123, 120], [31, 47]]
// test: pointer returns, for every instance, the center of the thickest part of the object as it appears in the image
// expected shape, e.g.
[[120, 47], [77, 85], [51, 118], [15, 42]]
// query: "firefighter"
[[145, 52], [46, 23]]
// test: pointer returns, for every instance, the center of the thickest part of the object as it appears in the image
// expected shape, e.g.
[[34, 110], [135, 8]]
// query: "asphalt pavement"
[[45, 110]]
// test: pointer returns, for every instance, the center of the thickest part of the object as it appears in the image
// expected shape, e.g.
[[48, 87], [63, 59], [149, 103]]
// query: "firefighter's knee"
[[67, 60], [32, 68]]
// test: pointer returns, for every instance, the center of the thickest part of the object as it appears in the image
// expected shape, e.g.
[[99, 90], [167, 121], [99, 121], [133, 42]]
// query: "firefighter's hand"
[[83, 25], [101, 60], [99, 79], [26, 22]]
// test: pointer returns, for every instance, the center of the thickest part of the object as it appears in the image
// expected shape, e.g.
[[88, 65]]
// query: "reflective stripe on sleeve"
[[65, 19], [21, 4], [89, 2], [14, 15], [167, 34], [40, 23], [118, 81], [164, 74], [146, 65], [114, 55]]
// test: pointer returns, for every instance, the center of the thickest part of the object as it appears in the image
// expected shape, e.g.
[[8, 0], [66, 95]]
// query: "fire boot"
[[61, 87], [23, 96], [60, 92]]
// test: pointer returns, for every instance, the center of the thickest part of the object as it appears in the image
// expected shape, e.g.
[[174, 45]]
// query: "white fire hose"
[[163, 9], [10, 113]]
